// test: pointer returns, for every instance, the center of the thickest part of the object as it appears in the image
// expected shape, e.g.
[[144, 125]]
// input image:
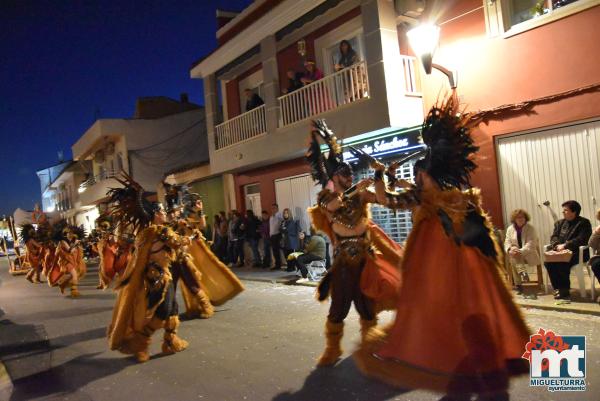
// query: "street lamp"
[[424, 41]]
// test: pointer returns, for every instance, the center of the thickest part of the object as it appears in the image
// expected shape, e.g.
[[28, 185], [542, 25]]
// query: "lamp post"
[[424, 41]]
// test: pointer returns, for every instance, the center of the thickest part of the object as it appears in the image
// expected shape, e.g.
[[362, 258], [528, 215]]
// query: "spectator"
[[232, 239], [569, 233], [311, 74], [216, 235], [223, 226], [275, 234], [522, 246], [290, 231], [316, 249], [348, 56], [252, 100], [253, 235], [594, 244], [264, 234], [239, 230], [294, 82]]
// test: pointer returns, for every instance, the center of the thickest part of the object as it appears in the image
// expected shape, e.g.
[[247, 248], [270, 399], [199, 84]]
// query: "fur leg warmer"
[[172, 343], [333, 350]]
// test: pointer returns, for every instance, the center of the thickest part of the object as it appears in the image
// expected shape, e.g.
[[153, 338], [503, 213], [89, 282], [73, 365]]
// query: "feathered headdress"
[[59, 231], [447, 134], [324, 169], [27, 232], [129, 206]]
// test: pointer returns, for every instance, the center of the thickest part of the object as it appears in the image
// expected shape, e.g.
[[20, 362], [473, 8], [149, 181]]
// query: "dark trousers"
[[559, 273], [266, 262], [239, 251], [253, 243], [596, 267], [168, 307], [276, 246], [304, 260], [345, 289]]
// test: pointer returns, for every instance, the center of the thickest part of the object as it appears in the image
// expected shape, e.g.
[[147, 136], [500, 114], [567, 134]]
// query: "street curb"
[[558, 308], [268, 280]]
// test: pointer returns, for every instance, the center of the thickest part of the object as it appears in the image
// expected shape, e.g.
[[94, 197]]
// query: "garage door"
[[297, 194], [552, 166]]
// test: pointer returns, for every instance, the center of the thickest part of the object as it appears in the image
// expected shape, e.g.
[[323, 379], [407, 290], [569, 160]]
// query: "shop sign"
[[390, 145]]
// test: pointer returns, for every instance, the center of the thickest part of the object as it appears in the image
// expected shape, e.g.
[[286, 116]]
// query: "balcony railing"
[[241, 128], [335, 90], [411, 81], [97, 178]]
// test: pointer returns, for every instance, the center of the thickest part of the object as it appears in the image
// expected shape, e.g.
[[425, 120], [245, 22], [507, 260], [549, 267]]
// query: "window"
[[511, 17], [525, 10], [333, 52]]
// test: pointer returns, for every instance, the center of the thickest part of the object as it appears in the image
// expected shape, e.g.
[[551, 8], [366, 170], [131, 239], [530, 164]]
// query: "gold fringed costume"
[[146, 296], [366, 263]]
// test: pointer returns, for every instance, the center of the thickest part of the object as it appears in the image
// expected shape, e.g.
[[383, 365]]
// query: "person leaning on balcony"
[[569, 233], [252, 100], [521, 245], [294, 82], [348, 56], [311, 74], [594, 244]]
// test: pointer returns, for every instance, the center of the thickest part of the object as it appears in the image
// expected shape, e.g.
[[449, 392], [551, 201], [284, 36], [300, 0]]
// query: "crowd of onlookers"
[[560, 254], [272, 238], [298, 79]]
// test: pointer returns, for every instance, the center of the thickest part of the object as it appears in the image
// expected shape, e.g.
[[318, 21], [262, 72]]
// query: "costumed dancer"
[[107, 248], [46, 233], [146, 294], [33, 252], [365, 269], [205, 280], [69, 266], [457, 329]]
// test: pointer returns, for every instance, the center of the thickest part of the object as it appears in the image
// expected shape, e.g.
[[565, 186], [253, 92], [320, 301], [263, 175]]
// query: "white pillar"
[[384, 65], [268, 56]]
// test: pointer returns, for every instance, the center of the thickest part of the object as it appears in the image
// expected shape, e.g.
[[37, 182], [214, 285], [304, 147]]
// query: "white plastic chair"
[[316, 270], [577, 269]]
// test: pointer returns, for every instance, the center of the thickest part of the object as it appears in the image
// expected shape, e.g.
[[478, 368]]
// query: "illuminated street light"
[[424, 41]]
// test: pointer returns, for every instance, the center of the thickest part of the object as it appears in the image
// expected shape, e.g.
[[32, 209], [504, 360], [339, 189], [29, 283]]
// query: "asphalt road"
[[260, 346]]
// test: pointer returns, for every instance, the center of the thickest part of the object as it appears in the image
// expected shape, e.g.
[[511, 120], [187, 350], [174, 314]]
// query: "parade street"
[[260, 346]]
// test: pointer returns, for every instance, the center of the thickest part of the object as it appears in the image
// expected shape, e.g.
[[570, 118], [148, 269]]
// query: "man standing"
[[252, 100], [266, 238], [275, 234]]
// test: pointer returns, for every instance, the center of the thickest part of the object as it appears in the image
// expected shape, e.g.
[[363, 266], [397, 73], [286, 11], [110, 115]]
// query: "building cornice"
[[279, 17]]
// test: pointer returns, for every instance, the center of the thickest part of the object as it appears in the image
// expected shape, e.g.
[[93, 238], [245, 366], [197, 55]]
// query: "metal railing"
[[409, 65], [97, 178], [335, 90], [241, 128]]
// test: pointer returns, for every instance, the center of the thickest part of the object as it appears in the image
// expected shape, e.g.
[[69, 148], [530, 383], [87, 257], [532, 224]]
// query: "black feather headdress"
[[447, 134], [129, 206], [27, 232], [323, 169]]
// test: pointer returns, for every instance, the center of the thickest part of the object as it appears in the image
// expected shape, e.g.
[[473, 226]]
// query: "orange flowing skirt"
[[456, 329]]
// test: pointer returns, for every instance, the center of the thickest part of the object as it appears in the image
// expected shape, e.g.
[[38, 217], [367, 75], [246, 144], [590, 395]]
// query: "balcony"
[[94, 189], [241, 128], [354, 101], [336, 90]]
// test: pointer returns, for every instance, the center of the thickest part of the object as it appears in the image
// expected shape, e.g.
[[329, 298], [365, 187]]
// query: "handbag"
[[558, 256]]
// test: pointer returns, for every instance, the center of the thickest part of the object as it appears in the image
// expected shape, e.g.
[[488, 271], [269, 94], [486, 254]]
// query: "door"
[[540, 170], [252, 196], [297, 194]]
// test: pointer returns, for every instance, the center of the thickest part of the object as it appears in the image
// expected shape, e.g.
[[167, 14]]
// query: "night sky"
[[63, 63]]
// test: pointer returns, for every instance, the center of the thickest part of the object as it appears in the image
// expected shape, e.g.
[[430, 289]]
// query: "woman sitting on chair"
[[594, 244], [521, 245]]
